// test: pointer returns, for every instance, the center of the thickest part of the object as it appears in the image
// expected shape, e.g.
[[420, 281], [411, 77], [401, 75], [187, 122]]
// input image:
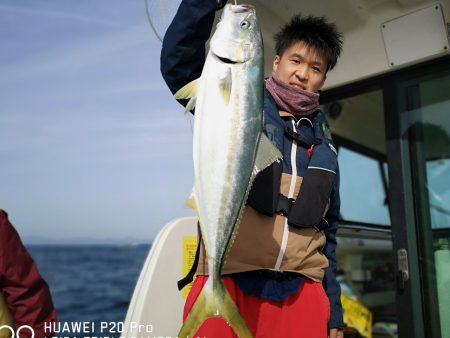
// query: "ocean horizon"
[[42, 240]]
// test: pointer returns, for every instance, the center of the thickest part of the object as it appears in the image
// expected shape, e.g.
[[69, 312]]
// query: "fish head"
[[237, 38]]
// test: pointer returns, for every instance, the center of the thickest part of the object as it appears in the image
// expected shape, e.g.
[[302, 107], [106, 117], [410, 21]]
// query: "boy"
[[283, 258]]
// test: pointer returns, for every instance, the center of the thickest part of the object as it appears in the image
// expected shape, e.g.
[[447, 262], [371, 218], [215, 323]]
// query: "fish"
[[229, 150]]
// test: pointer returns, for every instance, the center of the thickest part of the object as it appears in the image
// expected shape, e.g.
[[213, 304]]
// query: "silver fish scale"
[[229, 149], [227, 141]]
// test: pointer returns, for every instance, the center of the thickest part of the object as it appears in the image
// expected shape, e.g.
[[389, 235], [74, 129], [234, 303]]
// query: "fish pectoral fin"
[[215, 304], [225, 84], [192, 202], [191, 104], [188, 91], [266, 155]]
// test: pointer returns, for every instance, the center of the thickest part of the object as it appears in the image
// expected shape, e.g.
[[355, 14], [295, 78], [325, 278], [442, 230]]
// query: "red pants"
[[304, 314]]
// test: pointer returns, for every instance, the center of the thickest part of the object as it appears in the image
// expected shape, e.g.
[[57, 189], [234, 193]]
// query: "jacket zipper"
[[284, 239]]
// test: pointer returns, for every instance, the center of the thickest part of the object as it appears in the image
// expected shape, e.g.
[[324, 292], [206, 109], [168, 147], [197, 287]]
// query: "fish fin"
[[225, 87], [214, 304], [191, 201], [188, 91], [191, 104], [266, 155]]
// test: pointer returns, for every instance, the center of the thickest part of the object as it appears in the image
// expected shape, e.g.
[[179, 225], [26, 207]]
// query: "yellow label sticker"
[[189, 248], [357, 316]]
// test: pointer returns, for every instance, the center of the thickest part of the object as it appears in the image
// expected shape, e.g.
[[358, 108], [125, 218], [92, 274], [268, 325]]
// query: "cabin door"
[[422, 237]]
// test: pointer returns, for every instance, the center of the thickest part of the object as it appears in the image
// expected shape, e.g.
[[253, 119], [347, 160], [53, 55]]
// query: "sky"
[[92, 144]]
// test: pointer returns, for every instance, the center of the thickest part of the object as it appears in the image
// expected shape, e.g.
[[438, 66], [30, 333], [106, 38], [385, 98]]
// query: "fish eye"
[[245, 24]]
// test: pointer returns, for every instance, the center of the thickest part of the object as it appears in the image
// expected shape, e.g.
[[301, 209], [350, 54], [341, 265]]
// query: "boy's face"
[[302, 66]]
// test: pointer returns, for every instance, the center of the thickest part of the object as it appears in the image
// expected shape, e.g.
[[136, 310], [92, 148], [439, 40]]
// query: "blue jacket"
[[182, 59]]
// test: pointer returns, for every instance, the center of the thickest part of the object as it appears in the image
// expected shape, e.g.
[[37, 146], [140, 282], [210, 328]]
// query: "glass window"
[[438, 177], [358, 122], [357, 125], [433, 117], [426, 125], [365, 263], [363, 196]]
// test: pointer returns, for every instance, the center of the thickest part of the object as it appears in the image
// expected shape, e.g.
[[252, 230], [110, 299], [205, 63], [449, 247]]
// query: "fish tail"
[[214, 304]]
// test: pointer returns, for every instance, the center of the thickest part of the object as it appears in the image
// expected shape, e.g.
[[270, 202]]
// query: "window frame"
[[403, 215]]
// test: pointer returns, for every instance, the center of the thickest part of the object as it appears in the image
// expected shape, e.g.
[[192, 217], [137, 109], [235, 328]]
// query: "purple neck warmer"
[[292, 99]]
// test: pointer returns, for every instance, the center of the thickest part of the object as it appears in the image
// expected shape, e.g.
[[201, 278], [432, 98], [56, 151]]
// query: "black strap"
[[323, 224], [300, 139], [284, 205], [265, 189], [190, 275]]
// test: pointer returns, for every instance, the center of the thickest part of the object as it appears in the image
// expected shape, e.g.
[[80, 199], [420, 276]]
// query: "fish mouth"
[[227, 61]]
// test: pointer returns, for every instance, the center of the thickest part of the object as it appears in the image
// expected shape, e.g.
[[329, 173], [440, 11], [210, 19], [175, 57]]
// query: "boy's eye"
[[317, 69]]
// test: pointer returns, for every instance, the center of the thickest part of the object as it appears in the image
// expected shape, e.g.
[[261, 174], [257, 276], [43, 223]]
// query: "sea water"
[[91, 285]]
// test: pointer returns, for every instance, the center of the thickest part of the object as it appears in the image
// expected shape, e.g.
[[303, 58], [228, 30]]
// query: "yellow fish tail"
[[214, 304]]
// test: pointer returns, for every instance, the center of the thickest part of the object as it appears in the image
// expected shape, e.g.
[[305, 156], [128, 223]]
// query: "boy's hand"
[[336, 333]]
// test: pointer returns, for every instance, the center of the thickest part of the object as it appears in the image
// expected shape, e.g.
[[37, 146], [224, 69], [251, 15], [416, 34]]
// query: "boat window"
[[366, 269], [357, 126], [425, 125], [366, 275], [363, 195]]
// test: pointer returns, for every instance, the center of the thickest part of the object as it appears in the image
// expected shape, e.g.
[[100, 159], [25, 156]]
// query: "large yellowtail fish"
[[229, 150]]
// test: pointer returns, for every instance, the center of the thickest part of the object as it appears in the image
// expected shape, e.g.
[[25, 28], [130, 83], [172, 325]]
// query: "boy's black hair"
[[315, 32]]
